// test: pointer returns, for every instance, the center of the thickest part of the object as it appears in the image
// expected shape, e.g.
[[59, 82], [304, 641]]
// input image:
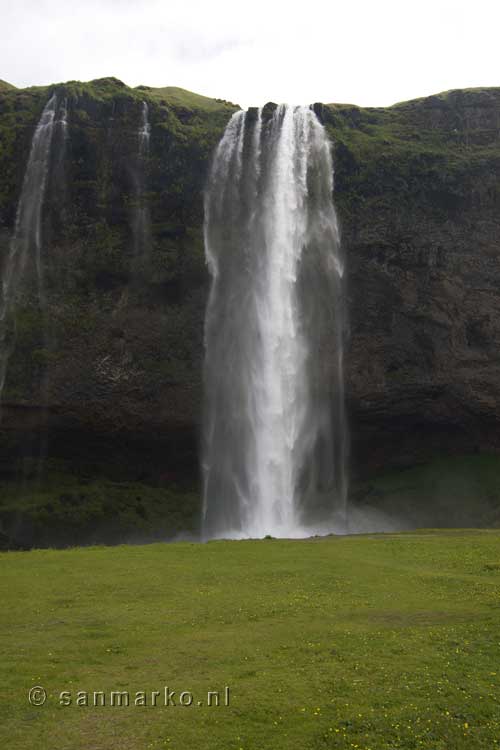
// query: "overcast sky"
[[368, 53]]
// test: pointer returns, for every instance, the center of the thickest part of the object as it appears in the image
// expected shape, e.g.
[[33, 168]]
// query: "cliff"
[[125, 332], [418, 191], [114, 389]]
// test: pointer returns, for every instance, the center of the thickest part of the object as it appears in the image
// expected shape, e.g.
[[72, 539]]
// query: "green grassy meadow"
[[376, 641]]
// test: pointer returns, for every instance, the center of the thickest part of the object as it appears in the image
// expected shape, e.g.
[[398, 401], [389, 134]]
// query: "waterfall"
[[142, 225], [274, 426], [26, 242], [63, 118], [144, 131]]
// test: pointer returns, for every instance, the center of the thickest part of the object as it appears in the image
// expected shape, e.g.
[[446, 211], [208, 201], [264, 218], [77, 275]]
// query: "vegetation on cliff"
[[423, 154], [100, 295]]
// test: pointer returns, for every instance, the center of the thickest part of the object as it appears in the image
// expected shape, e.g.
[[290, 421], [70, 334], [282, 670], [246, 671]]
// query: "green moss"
[[181, 98], [58, 508], [452, 94], [449, 491], [413, 157], [5, 86]]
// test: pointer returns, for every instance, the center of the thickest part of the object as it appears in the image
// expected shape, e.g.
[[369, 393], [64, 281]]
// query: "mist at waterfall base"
[[274, 449]]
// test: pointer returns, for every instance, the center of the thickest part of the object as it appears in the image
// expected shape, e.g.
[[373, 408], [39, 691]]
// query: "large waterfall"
[[26, 243], [274, 426]]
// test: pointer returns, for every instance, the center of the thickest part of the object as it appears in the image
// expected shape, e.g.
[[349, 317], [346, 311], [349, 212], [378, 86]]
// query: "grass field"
[[388, 641]]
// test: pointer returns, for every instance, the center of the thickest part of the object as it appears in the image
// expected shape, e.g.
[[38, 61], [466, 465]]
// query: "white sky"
[[251, 52]]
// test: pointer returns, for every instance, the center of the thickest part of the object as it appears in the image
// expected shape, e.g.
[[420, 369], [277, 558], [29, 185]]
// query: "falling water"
[[144, 131], [142, 227], [26, 242], [63, 118], [274, 433]]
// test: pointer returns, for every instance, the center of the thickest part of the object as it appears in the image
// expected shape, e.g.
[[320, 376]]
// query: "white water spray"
[[274, 438]]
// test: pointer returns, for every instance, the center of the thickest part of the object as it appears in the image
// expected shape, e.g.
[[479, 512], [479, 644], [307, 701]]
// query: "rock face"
[[418, 189], [117, 380], [119, 372]]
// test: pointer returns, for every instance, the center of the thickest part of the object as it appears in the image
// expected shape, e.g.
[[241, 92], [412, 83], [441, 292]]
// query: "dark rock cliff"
[[122, 366], [116, 383], [418, 191]]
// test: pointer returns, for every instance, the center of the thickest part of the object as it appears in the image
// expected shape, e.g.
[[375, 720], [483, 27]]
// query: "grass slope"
[[6, 86], [359, 642], [110, 87], [178, 97]]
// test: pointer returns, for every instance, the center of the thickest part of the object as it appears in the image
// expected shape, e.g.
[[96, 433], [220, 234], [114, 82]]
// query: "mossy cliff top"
[[441, 137], [5, 86], [98, 103], [110, 87]]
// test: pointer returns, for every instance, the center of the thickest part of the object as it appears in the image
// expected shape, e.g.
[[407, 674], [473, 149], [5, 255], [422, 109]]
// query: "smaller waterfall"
[[27, 239], [142, 223], [57, 182], [62, 120], [144, 131]]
